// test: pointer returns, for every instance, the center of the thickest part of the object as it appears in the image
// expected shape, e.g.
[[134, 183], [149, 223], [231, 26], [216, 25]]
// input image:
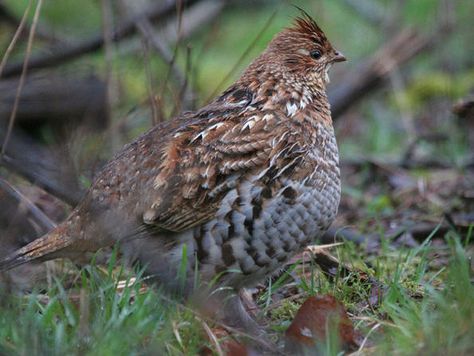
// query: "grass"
[[442, 322], [96, 316], [423, 311]]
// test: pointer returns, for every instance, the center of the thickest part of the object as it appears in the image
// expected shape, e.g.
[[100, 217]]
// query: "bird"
[[227, 193]]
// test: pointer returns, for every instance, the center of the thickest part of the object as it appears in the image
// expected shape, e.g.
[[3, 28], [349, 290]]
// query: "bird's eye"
[[316, 54]]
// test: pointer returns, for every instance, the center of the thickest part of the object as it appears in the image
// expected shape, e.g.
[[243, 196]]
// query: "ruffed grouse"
[[235, 188]]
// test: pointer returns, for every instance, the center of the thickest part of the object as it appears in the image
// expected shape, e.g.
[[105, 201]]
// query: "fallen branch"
[[56, 99], [42, 32], [159, 11], [374, 72], [371, 75], [45, 222], [41, 167]]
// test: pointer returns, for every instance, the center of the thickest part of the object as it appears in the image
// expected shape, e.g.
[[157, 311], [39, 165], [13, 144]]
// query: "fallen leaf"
[[313, 321]]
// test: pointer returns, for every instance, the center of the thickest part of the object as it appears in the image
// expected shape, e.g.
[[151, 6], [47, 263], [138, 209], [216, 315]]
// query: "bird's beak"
[[339, 57]]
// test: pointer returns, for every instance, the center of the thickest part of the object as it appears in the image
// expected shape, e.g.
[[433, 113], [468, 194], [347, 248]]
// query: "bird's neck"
[[273, 89]]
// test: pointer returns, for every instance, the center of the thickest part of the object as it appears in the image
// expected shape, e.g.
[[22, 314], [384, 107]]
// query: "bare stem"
[[29, 45]]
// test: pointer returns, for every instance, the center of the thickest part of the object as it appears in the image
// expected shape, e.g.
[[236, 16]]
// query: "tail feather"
[[41, 248]]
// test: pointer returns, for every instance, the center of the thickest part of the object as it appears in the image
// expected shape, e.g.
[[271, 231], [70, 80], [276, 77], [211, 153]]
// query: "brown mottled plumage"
[[244, 183]]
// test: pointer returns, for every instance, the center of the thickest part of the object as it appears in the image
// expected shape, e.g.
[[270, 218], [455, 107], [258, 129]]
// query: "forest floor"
[[405, 283]]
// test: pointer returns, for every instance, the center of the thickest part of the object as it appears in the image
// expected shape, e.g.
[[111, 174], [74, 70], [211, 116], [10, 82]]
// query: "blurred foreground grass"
[[106, 311]]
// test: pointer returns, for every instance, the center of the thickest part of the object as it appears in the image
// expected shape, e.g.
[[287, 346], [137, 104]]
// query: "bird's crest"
[[305, 25]]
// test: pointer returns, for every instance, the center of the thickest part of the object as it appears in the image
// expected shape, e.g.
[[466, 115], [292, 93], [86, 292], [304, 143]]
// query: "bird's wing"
[[204, 160]]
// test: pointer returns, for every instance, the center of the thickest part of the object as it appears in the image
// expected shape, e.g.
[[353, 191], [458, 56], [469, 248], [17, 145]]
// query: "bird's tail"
[[44, 248]]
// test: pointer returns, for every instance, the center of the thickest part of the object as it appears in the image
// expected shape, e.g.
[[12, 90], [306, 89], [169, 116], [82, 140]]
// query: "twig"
[[111, 93], [242, 57], [403, 47], [150, 82], [160, 46], [55, 98], [46, 223], [107, 26], [22, 77], [192, 19], [331, 266], [183, 96], [362, 345], [15, 37], [187, 23], [159, 11], [41, 167], [369, 76], [42, 32], [48, 178], [211, 336]]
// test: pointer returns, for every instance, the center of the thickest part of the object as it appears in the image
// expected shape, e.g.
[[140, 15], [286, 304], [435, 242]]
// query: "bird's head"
[[304, 51]]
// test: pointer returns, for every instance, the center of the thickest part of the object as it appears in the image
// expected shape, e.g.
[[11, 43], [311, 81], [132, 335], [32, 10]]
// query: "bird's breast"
[[261, 225]]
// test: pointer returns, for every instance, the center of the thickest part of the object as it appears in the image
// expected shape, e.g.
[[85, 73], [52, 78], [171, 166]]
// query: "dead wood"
[[159, 11], [56, 99], [16, 229], [43, 220], [373, 72], [41, 32], [42, 167]]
